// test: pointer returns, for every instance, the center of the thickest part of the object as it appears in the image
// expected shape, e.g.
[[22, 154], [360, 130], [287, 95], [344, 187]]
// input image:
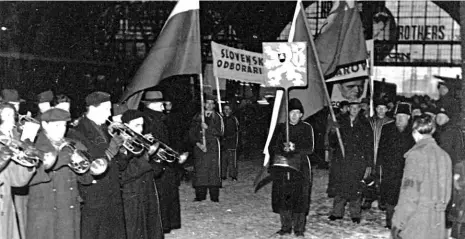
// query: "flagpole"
[[320, 71], [218, 94], [202, 109]]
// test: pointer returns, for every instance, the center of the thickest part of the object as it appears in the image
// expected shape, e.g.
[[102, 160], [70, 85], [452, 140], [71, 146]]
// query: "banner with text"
[[355, 70], [237, 64]]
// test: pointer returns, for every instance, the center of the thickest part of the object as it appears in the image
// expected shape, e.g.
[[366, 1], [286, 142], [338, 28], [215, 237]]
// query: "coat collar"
[[420, 144]]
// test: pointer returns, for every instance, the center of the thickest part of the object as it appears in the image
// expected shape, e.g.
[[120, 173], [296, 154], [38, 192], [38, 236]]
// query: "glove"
[[395, 233], [115, 143]]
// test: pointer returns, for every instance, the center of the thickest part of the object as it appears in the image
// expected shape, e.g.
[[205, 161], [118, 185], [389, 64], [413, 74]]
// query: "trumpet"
[[22, 153], [79, 161], [22, 119], [137, 143]]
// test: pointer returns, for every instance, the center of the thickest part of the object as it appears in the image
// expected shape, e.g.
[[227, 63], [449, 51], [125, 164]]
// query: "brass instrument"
[[79, 160], [137, 143], [23, 153], [22, 119]]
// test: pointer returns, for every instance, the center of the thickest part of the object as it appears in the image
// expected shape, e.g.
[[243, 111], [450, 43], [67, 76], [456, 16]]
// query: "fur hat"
[[295, 104], [403, 108]]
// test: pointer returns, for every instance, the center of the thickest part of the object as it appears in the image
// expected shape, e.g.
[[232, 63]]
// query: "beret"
[[295, 104], [131, 115], [10, 95], [55, 114], [151, 96], [119, 109], [46, 96], [97, 97]]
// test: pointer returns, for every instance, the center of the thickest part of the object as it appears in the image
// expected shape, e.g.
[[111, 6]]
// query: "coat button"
[[71, 189], [54, 189], [54, 208], [71, 206]]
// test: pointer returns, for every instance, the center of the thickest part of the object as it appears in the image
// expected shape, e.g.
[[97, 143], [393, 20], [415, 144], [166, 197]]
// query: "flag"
[[313, 97], [341, 40], [175, 52]]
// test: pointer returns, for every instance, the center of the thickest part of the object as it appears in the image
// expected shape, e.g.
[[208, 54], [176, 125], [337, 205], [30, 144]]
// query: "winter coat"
[[13, 175], [102, 208], [207, 165], [231, 133], [377, 126], [425, 192], [392, 147], [347, 172], [54, 201], [451, 105], [291, 190], [140, 199]]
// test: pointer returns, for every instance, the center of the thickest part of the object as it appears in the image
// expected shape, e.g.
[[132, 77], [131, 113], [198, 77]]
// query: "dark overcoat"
[[140, 199], [207, 165], [346, 173], [54, 202], [291, 190], [230, 139], [167, 179], [392, 147], [102, 212]]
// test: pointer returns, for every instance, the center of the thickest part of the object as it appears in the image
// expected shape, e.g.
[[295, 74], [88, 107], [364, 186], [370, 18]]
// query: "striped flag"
[[175, 52], [341, 40], [313, 96]]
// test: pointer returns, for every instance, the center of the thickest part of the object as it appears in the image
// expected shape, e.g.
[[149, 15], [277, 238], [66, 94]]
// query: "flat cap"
[[119, 109], [131, 115], [55, 114], [97, 97], [11, 95], [46, 96]]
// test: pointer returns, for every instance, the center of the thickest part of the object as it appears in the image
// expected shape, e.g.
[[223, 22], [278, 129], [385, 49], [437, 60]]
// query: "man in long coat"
[[450, 138], [102, 208], [425, 190], [140, 196], [229, 144], [207, 157], [347, 173], [396, 140], [167, 180], [291, 190], [54, 203]]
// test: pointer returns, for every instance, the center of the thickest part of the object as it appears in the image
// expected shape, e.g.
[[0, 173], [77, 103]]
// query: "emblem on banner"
[[285, 64]]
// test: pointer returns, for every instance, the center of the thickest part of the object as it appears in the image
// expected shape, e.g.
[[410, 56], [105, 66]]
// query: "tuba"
[[79, 160], [22, 153]]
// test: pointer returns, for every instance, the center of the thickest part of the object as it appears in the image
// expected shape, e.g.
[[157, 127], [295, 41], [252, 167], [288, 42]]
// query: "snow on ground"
[[242, 214]]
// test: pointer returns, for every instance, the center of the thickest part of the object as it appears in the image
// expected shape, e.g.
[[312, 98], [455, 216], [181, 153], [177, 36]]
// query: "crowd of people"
[[114, 172]]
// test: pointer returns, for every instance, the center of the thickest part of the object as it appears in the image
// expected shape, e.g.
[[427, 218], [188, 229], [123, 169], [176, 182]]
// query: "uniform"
[[425, 192]]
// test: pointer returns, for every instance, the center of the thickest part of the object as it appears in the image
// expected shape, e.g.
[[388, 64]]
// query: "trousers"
[[339, 205], [229, 163], [201, 193], [290, 220]]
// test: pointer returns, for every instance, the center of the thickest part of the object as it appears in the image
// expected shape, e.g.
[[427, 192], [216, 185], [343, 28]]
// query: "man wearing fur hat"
[[140, 196], [291, 189], [449, 137], [168, 182], [102, 209], [348, 172], [396, 139], [207, 163]]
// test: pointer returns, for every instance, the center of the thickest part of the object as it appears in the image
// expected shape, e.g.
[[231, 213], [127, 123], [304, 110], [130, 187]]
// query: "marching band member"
[[140, 196], [54, 202], [13, 175], [11, 96], [102, 209], [62, 102]]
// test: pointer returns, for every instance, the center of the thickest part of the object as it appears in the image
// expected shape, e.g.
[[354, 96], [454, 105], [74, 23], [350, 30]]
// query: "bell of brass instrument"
[[23, 153], [132, 142], [79, 161], [163, 151]]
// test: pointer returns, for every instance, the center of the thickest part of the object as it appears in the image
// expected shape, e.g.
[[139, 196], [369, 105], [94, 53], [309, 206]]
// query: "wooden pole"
[[462, 90], [202, 109], [218, 94]]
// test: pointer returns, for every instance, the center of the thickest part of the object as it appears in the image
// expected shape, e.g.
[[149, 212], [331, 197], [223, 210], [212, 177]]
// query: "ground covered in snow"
[[242, 214]]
